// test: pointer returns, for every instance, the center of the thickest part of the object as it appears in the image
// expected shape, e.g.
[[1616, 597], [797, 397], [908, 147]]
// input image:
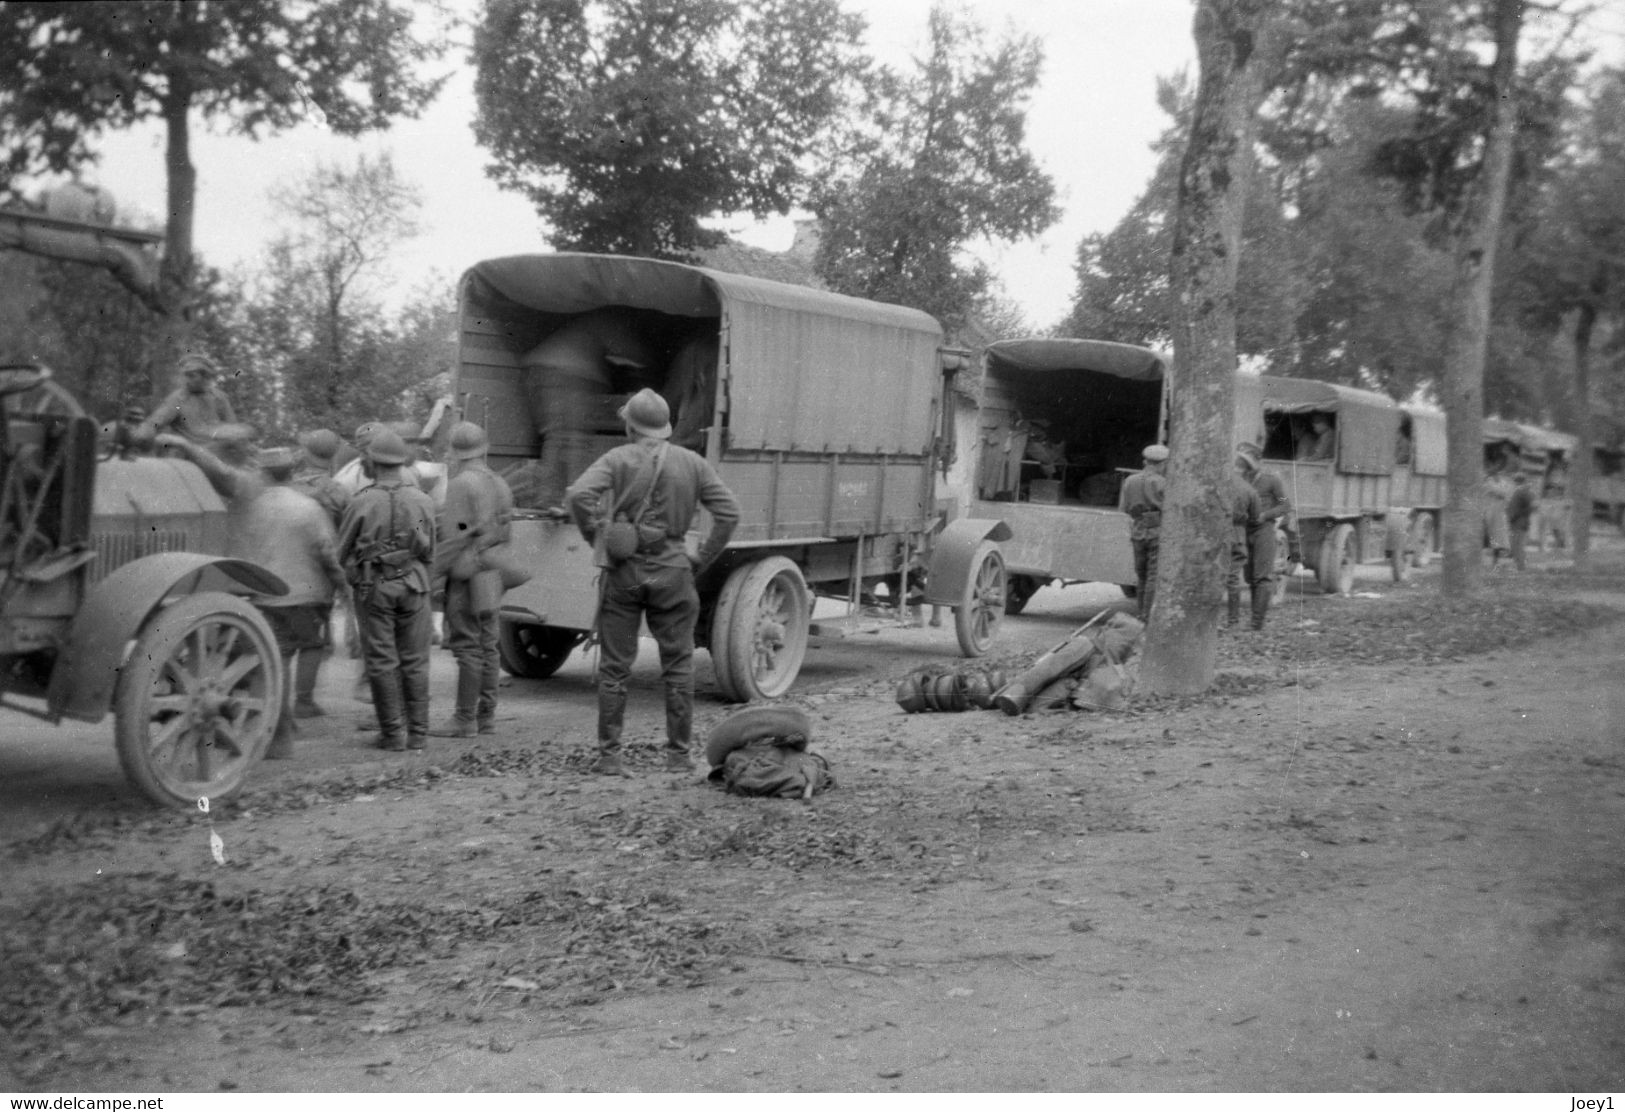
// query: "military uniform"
[[1245, 513], [1274, 505], [656, 583], [386, 543], [474, 520], [1141, 499]]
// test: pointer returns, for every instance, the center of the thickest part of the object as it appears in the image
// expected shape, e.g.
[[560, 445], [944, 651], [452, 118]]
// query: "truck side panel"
[[1079, 543]]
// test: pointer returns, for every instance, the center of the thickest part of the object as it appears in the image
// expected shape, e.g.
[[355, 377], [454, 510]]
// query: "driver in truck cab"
[[192, 410]]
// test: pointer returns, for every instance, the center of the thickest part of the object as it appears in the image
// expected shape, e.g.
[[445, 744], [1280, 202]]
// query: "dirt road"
[[1387, 853]]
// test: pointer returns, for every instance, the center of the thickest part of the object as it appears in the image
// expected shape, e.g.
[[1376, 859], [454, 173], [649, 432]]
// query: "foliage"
[[309, 323], [257, 66], [628, 122], [940, 163]]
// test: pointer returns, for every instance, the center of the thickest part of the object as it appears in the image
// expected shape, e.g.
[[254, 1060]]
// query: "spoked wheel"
[[533, 651], [1422, 543], [28, 389], [981, 604], [1337, 560], [1019, 592], [759, 630], [198, 699]]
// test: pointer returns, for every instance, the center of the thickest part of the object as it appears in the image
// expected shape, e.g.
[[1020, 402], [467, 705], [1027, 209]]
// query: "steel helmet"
[[647, 413], [387, 448], [468, 441], [320, 444]]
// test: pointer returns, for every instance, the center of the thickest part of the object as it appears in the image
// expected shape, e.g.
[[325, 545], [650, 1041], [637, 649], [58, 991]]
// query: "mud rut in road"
[[1387, 853]]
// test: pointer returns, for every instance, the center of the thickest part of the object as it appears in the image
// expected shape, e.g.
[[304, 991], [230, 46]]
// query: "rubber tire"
[[753, 724], [533, 651], [981, 601], [252, 700], [1337, 560], [759, 630], [1423, 542], [1020, 591]]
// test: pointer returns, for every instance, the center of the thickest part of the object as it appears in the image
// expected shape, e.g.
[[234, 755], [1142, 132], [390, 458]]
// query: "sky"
[[1090, 124]]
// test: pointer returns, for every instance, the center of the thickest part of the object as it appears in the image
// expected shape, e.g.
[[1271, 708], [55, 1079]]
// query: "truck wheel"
[[533, 651], [1019, 592], [198, 699], [1422, 541], [1337, 561], [981, 604], [759, 631]]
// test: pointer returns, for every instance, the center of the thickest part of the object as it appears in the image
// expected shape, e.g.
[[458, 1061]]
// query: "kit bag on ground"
[[762, 750]]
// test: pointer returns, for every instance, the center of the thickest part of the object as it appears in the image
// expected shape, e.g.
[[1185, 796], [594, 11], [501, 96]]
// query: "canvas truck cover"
[[1060, 355], [804, 369], [1367, 422], [1430, 449]]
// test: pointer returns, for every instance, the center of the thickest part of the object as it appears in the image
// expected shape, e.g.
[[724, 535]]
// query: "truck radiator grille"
[[113, 550]]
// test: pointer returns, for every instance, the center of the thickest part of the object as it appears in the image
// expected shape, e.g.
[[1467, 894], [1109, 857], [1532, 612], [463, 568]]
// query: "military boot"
[[679, 728], [305, 665], [1261, 603], [390, 706], [485, 706], [416, 697], [463, 722], [611, 717], [1234, 615]]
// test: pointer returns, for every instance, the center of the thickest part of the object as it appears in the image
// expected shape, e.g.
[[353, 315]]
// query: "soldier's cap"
[[387, 448], [199, 362], [321, 444], [278, 461], [647, 413], [1155, 453], [467, 441]]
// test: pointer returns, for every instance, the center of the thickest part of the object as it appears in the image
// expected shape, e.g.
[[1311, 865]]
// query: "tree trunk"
[[1580, 421], [1181, 641], [175, 274], [1476, 234]]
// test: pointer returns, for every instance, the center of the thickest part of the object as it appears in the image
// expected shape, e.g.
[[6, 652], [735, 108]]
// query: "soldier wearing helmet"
[[386, 543], [652, 489], [194, 409], [473, 523], [313, 473]]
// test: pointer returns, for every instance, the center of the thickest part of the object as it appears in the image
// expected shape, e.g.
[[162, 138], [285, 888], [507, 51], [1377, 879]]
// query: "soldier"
[[655, 488], [1141, 499], [313, 474], [292, 536], [473, 521], [1245, 512], [194, 409], [1275, 506], [386, 543]]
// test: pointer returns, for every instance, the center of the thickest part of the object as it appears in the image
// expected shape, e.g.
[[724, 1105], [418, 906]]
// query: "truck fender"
[[952, 553], [114, 610]]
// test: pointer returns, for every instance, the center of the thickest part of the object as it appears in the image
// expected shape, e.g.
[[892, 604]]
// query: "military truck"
[[823, 413], [115, 594]]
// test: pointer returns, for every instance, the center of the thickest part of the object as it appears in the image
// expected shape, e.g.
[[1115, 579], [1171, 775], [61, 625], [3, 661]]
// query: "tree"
[[941, 162], [629, 122], [313, 323], [1479, 201], [1235, 45], [258, 66], [1570, 272]]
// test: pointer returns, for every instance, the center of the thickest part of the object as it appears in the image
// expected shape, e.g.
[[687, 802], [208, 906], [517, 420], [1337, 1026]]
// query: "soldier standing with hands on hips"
[[474, 520], [649, 491], [386, 544]]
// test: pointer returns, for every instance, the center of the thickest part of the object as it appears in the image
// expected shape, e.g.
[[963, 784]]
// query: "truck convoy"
[[824, 415]]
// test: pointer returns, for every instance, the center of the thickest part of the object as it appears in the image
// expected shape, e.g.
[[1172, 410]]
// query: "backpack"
[[767, 769]]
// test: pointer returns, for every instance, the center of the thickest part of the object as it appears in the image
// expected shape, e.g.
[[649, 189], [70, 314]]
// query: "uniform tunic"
[[656, 584], [1274, 505]]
